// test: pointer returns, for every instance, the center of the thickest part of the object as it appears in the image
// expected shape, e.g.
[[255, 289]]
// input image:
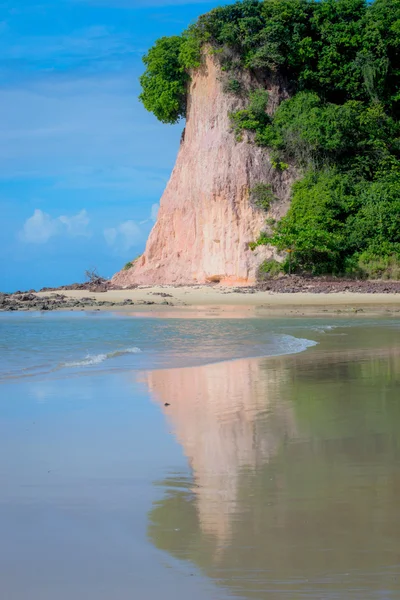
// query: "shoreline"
[[319, 350], [170, 300]]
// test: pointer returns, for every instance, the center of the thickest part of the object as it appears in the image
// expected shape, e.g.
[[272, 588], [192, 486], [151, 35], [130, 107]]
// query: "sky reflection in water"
[[264, 478]]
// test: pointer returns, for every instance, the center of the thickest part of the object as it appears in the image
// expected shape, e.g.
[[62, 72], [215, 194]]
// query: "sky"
[[82, 164]]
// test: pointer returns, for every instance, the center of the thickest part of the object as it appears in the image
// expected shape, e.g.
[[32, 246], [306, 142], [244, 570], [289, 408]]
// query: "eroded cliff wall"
[[206, 220]]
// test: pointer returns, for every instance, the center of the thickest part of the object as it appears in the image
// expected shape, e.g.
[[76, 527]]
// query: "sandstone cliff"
[[206, 220]]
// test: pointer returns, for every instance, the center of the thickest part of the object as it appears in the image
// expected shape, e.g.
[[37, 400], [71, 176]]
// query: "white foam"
[[97, 359], [125, 351], [87, 361], [323, 328], [294, 345]]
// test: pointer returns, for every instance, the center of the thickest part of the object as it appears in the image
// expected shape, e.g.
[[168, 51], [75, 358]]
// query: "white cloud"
[[153, 215], [124, 236], [130, 233], [110, 235], [40, 227], [77, 224]]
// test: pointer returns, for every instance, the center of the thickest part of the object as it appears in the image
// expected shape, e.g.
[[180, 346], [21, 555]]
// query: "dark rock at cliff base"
[[324, 285], [162, 295], [132, 286], [98, 286], [25, 297]]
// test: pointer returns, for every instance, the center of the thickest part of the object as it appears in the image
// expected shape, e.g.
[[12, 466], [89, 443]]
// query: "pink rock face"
[[206, 220]]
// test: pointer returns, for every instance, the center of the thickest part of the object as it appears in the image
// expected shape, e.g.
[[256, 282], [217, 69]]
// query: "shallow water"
[[273, 477], [59, 344]]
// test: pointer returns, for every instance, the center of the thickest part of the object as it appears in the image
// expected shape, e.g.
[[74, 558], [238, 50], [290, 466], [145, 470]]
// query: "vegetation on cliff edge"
[[340, 60]]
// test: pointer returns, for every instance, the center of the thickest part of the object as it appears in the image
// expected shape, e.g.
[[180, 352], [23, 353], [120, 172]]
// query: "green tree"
[[164, 84], [313, 230]]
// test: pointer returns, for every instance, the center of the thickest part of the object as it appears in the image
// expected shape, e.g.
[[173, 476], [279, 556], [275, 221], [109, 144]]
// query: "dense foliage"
[[164, 83], [340, 60]]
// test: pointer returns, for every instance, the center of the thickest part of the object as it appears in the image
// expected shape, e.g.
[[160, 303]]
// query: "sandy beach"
[[177, 299]]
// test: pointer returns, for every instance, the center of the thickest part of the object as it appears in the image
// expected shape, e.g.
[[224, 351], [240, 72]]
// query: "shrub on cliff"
[[262, 196], [269, 269]]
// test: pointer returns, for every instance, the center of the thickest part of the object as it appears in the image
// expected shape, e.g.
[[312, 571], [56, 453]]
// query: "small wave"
[[293, 345], [323, 328], [96, 359]]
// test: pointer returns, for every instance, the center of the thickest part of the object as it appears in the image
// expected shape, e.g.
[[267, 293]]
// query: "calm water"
[[274, 477]]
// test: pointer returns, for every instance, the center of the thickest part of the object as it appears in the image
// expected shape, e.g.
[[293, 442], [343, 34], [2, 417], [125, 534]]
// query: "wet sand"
[[173, 299]]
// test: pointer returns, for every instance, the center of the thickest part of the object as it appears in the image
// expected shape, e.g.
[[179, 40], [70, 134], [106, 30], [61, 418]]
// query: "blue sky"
[[82, 164]]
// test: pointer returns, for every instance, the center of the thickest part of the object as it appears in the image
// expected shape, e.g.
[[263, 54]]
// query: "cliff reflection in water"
[[295, 474], [221, 416]]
